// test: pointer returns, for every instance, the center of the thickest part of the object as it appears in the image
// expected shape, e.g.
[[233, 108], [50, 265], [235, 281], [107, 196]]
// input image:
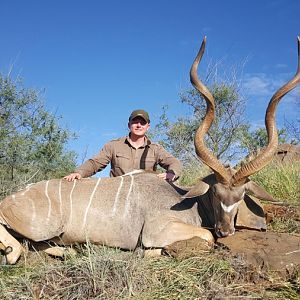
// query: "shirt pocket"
[[122, 161]]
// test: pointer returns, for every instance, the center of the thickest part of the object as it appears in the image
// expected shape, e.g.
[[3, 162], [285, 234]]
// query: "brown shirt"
[[125, 158]]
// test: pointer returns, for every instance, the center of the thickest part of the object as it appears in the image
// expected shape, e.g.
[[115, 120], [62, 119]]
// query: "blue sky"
[[99, 60]]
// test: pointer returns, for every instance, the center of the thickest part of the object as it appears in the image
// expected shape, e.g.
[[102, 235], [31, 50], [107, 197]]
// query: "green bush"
[[32, 141]]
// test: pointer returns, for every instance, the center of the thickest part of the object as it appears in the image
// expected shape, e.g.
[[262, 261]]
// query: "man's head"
[[139, 122], [139, 113]]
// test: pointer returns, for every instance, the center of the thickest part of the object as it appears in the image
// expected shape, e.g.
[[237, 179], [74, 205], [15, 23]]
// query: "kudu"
[[139, 206]]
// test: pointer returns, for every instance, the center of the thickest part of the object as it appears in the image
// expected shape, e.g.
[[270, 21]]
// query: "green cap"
[[140, 113]]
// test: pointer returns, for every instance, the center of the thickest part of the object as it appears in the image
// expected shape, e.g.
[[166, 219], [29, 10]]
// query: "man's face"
[[138, 126]]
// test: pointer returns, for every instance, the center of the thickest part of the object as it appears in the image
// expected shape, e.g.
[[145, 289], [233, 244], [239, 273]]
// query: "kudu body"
[[123, 210], [110, 211]]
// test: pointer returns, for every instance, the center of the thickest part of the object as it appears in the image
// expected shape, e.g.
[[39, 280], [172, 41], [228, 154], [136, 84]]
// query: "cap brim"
[[140, 116]]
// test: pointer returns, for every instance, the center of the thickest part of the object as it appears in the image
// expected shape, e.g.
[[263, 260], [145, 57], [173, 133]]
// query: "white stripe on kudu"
[[71, 202], [117, 196], [49, 201], [89, 204], [60, 200], [33, 209], [26, 189], [229, 208], [127, 202], [133, 172]]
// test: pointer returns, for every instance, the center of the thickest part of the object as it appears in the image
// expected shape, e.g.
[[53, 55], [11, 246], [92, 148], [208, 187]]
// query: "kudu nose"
[[220, 232]]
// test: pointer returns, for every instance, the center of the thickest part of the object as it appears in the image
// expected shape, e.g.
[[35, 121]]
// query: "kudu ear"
[[258, 191], [198, 189]]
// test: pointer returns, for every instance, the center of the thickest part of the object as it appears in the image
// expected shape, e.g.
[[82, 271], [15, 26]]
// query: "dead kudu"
[[137, 207]]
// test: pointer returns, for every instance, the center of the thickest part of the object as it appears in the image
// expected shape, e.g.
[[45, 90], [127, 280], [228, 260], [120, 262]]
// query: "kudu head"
[[228, 188]]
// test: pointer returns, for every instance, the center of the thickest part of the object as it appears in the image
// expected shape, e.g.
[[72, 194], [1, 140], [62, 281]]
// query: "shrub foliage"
[[32, 142]]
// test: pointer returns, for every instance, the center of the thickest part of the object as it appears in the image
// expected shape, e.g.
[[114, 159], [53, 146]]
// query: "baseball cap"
[[140, 113]]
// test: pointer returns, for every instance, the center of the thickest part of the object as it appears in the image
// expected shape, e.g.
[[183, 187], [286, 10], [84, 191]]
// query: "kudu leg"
[[175, 231], [53, 248], [153, 253], [9, 241], [59, 251]]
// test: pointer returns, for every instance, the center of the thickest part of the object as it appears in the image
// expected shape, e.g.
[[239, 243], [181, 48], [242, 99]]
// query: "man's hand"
[[72, 176], [167, 176]]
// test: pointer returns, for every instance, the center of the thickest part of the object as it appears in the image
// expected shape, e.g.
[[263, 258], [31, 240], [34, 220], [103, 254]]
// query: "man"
[[129, 153]]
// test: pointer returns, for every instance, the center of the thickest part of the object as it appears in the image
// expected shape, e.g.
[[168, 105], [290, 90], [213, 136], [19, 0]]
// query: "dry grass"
[[99, 272], [282, 181]]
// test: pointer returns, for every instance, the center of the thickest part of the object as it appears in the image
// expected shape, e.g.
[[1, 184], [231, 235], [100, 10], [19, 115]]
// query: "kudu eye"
[[214, 190]]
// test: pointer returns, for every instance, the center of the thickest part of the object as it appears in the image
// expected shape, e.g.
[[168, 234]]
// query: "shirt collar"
[[147, 141]]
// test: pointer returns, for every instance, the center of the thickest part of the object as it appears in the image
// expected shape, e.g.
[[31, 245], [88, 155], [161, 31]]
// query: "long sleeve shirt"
[[124, 158]]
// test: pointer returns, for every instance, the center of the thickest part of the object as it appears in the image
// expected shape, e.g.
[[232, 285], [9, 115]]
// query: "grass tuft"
[[281, 180]]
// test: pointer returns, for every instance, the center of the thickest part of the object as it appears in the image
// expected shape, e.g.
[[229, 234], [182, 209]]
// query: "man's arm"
[[92, 165], [72, 176], [169, 163]]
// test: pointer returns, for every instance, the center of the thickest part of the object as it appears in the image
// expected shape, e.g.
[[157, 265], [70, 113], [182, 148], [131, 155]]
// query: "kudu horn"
[[267, 154], [201, 150], [264, 158]]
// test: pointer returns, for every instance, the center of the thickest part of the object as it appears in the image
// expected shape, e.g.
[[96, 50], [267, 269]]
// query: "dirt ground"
[[279, 252], [265, 251]]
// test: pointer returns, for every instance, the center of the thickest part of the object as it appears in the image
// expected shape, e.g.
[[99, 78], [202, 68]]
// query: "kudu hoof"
[[6, 251]]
